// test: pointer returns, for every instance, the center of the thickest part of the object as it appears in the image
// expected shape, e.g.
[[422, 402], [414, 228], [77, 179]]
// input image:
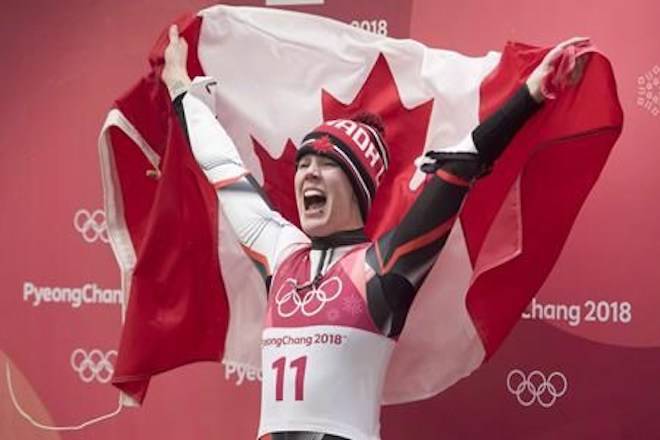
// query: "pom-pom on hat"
[[358, 146]]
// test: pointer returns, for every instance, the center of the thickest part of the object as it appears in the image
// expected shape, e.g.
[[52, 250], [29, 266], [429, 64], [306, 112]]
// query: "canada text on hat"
[[366, 138]]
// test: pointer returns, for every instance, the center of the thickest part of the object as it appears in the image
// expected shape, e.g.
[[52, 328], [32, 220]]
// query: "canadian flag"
[[191, 293]]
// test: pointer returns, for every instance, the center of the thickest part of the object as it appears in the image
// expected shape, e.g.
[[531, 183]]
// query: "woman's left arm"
[[400, 259]]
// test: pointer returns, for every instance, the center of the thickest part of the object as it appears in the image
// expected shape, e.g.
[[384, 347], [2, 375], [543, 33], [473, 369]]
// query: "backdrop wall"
[[588, 343]]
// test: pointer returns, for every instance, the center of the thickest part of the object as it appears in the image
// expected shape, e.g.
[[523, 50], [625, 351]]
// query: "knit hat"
[[358, 146]]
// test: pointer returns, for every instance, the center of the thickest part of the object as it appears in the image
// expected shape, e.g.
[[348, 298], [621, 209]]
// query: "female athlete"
[[336, 300]]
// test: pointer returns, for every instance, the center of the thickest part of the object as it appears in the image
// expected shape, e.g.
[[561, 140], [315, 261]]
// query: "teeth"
[[313, 192], [313, 199]]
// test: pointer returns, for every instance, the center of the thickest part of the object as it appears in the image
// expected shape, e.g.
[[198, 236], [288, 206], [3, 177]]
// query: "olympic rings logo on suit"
[[95, 365], [92, 226], [535, 387], [289, 302]]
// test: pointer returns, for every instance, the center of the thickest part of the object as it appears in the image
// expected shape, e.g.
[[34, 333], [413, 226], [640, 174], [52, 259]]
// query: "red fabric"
[[559, 77], [177, 311], [558, 155]]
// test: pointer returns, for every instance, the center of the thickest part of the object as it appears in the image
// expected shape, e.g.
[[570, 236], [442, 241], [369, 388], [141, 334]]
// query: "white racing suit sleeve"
[[265, 235], [212, 147]]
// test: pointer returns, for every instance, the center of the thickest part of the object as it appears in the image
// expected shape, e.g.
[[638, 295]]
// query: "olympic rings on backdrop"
[[92, 226], [535, 387], [93, 365]]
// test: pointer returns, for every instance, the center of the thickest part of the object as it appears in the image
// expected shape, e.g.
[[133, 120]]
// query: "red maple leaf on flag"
[[405, 134], [278, 179]]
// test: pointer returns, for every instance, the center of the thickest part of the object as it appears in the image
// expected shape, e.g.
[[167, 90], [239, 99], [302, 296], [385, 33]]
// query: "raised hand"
[[535, 82], [175, 74]]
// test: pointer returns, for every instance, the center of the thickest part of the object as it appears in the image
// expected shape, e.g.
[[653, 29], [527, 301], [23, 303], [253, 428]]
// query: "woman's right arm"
[[264, 234]]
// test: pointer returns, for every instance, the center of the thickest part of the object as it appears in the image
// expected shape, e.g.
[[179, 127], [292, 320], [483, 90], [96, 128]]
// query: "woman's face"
[[324, 197]]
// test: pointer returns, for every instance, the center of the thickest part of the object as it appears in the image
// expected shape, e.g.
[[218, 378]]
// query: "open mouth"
[[314, 200]]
